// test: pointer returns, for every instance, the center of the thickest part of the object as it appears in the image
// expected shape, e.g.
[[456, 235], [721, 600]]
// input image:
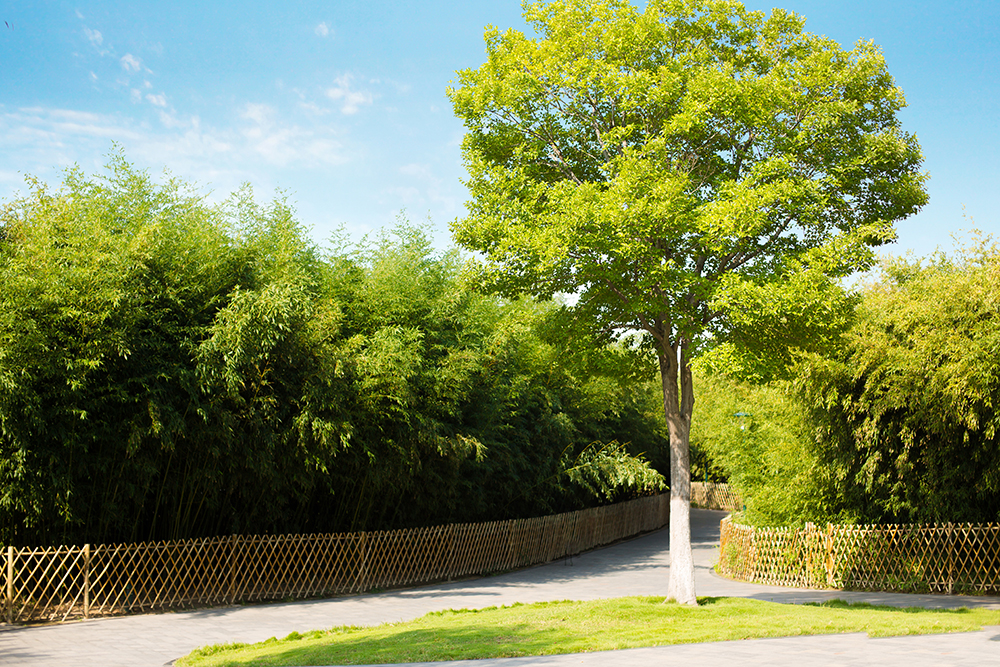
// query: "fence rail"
[[935, 558], [60, 583], [715, 496]]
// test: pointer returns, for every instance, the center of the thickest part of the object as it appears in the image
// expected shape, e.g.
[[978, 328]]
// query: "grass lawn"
[[573, 627]]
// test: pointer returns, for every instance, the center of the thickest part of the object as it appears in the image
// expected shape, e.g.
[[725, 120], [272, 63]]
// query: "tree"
[[696, 172]]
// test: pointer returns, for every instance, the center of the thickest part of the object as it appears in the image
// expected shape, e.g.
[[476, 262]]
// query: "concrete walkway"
[[636, 567]]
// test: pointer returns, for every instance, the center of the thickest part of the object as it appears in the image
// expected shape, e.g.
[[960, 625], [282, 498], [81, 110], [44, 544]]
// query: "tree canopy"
[[694, 171]]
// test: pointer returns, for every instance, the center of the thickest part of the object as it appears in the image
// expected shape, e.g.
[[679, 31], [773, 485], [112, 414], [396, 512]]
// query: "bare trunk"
[[678, 404]]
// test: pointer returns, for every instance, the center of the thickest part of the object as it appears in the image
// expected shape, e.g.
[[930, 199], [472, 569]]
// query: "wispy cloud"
[[130, 63], [43, 140], [350, 100], [96, 40], [157, 100], [313, 109], [284, 144], [323, 30], [94, 36]]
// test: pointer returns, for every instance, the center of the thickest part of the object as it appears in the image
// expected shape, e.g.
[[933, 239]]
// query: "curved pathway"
[[635, 567]]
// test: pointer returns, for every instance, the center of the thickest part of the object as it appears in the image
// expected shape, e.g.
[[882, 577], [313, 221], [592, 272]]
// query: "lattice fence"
[[713, 496], [936, 558], [60, 583]]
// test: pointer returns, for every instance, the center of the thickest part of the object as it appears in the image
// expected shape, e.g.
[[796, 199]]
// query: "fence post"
[[829, 555], [808, 538], [449, 558], [86, 581], [363, 574], [951, 560], [10, 584], [232, 570]]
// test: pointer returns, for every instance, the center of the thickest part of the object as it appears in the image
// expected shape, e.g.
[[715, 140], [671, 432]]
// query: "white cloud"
[[136, 95], [253, 145], [313, 108], [284, 144], [259, 113], [323, 30], [95, 36], [61, 127], [171, 121], [157, 100], [93, 76], [130, 63], [40, 141], [350, 100], [79, 15]]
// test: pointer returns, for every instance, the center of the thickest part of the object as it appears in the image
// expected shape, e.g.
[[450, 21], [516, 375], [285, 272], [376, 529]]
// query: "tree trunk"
[[678, 403]]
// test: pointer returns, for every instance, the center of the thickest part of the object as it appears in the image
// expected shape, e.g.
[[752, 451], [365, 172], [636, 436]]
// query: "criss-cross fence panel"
[[70, 582], [935, 558], [50, 583], [715, 496]]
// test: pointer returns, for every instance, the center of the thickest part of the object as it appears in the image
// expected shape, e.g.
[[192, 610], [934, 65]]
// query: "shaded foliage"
[[172, 369]]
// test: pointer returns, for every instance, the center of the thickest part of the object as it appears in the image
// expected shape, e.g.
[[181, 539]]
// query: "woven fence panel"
[[936, 558], [714, 496], [59, 583]]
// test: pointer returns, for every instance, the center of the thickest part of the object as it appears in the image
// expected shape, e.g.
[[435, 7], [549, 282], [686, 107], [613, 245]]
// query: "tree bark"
[[678, 404]]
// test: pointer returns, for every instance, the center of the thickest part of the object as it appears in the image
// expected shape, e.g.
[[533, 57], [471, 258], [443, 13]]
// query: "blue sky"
[[342, 104]]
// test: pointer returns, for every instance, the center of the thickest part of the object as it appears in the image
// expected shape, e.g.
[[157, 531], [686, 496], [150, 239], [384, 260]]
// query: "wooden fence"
[[714, 496], [934, 558], [59, 583]]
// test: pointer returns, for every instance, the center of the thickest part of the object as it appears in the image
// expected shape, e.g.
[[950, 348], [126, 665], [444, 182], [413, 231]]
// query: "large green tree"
[[694, 171]]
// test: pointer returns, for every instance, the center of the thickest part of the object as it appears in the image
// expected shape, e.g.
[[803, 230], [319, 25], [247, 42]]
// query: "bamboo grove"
[[897, 424], [171, 368]]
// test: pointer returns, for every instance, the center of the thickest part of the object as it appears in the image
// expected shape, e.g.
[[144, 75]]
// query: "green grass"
[[572, 627]]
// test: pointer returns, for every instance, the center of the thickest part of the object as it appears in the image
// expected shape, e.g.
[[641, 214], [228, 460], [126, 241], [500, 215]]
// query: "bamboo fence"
[[713, 496], [60, 583], [934, 558]]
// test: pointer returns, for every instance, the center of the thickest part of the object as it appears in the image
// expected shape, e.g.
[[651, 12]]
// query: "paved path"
[[636, 567]]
